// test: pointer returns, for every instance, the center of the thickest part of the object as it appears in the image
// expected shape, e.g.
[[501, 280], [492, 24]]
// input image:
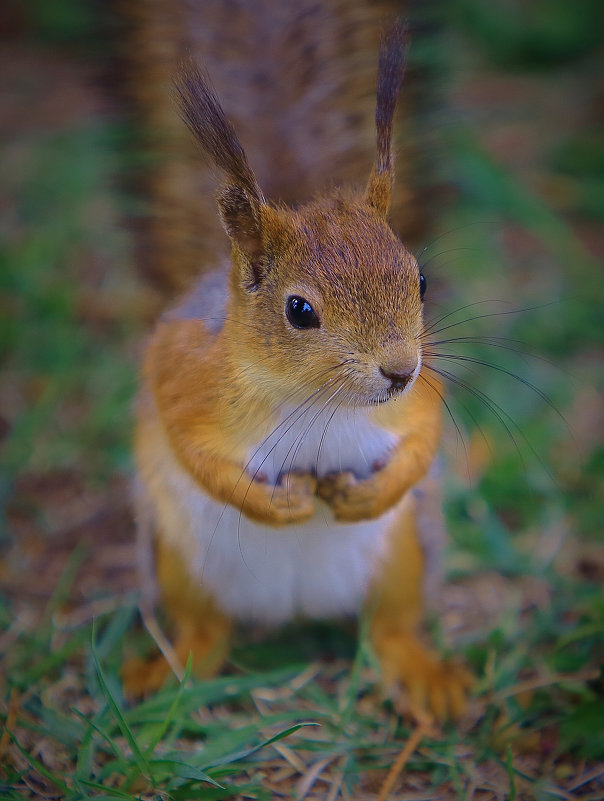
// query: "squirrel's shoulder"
[[206, 300]]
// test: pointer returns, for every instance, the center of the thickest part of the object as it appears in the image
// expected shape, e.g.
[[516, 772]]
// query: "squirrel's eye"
[[422, 285], [300, 313]]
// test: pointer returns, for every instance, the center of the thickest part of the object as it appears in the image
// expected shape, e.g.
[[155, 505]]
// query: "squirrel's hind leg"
[[396, 606], [200, 628]]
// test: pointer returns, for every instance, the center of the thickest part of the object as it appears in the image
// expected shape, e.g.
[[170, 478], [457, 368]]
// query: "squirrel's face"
[[337, 310], [325, 301]]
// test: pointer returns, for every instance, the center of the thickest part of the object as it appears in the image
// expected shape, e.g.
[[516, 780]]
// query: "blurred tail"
[[298, 81]]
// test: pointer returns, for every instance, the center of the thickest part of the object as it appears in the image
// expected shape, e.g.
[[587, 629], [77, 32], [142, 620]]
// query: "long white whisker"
[[307, 400], [297, 444]]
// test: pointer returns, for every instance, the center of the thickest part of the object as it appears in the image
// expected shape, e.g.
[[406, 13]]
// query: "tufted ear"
[[391, 70], [240, 199], [242, 218]]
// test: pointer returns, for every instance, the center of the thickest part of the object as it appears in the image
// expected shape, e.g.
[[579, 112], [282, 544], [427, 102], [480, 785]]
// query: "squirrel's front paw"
[[350, 498], [292, 500]]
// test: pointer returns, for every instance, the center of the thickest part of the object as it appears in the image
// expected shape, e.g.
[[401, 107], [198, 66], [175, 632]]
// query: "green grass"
[[526, 526], [215, 739], [71, 311]]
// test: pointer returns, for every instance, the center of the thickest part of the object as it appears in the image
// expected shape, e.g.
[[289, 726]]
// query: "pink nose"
[[397, 380]]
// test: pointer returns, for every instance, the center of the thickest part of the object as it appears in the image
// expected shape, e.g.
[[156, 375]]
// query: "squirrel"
[[286, 427]]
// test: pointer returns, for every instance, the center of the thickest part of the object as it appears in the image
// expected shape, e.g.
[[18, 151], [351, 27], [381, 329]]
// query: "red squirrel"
[[286, 426]]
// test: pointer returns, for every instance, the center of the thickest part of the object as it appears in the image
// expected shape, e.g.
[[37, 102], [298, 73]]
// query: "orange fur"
[[214, 392], [416, 418], [396, 603], [201, 630]]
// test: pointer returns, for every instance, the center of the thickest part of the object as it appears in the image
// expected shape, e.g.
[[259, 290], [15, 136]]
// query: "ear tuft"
[[202, 112], [391, 71], [240, 198]]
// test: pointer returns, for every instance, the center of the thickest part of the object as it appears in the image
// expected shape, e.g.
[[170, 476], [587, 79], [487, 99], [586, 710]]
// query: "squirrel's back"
[[296, 78]]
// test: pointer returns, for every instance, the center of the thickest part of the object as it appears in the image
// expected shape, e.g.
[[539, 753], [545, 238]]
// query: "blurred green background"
[[515, 260]]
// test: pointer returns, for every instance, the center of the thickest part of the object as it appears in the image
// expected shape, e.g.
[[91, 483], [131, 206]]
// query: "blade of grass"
[[509, 765], [58, 657], [40, 768], [140, 760], [240, 791], [118, 624], [161, 733], [238, 755], [66, 579], [185, 771], [85, 753], [355, 675], [224, 688], [94, 727], [109, 792]]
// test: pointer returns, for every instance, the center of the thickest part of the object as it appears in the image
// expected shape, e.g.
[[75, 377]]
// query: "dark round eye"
[[300, 313], [422, 285]]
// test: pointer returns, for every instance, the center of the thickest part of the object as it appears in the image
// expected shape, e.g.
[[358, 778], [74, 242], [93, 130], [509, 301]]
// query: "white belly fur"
[[317, 569]]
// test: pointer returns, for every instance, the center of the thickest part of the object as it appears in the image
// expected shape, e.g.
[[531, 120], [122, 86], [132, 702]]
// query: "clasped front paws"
[[292, 500], [351, 498]]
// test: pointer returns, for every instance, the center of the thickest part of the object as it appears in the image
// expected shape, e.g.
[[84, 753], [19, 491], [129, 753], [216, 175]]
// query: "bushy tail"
[[298, 81]]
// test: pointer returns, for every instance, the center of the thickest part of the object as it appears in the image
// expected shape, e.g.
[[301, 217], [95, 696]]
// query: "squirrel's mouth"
[[372, 390], [391, 393], [385, 397]]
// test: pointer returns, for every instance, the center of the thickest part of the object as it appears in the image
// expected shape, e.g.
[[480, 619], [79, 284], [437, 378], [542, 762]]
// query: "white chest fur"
[[322, 442], [317, 569]]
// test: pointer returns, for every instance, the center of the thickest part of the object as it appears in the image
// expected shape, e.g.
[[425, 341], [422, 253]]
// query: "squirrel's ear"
[[391, 70], [240, 199], [241, 217]]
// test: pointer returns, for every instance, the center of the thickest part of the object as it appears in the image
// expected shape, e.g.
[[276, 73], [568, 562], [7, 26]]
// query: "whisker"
[[449, 412], [302, 411], [299, 411], [282, 403], [298, 443], [499, 369], [452, 231], [472, 417], [304, 434], [501, 415], [320, 389], [490, 404], [492, 314], [501, 343], [428, 328], [427, 261], [315, 393], [324, 434]]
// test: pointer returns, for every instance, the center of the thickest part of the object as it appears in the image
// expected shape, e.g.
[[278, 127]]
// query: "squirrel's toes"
[[421, 681]]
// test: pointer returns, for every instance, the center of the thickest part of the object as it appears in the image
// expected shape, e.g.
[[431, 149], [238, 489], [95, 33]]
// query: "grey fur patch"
[[206, 301], [145, 530], [432, 533]]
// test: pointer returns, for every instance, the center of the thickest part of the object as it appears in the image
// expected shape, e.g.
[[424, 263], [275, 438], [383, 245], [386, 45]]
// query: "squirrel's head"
[[325, 298]]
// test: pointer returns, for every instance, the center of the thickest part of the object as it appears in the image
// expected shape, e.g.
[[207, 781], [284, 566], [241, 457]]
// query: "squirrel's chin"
[[378, 400], [385, 396]]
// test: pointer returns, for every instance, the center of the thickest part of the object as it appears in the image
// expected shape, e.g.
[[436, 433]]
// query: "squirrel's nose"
[[399, 380]]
